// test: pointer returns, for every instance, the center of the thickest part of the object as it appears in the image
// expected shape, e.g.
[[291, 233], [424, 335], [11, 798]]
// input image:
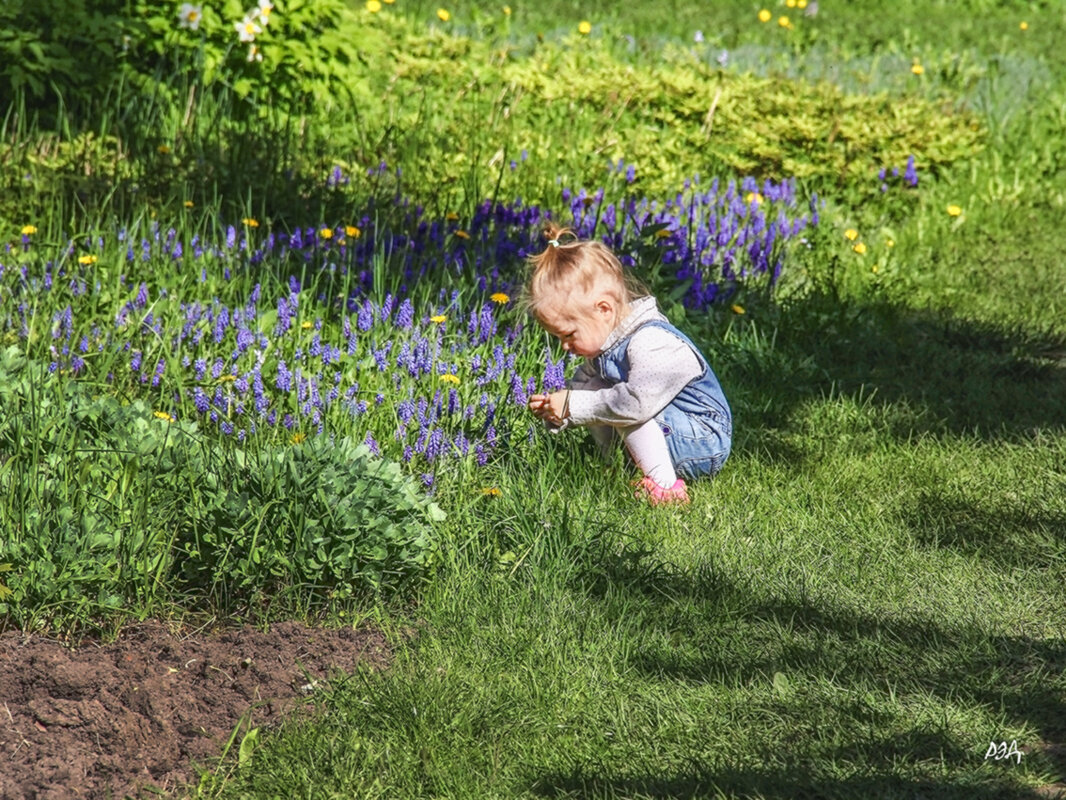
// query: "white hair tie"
[[553, 242]]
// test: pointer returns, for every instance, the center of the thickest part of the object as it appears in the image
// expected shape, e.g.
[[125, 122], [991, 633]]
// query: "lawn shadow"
[[1015, 535], [932, 372], [701, 626], [793, 782]]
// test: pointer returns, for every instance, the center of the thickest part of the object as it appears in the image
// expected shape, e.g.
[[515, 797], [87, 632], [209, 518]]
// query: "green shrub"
[[72, 52], [323, 518], [109, 504], [59, 47]]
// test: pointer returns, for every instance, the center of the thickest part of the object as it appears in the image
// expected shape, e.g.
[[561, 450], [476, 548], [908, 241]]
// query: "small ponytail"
[[570, 265]]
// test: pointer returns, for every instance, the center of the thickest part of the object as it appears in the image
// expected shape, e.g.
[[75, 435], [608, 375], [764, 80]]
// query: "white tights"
[[646, 443], [647, 446]]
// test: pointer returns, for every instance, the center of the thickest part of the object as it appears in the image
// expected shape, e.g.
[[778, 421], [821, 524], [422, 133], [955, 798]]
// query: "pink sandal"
[[658, 496]]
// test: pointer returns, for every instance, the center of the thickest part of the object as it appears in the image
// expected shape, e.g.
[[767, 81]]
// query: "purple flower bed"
[[421, 371]]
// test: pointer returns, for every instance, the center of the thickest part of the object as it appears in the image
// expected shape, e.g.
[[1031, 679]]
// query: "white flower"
[[265, 7], [698, 37], [254, 53], [247, 29], [189, 16]]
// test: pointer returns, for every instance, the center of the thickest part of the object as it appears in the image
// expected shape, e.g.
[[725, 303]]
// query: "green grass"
[[812, 626], [872, 589]]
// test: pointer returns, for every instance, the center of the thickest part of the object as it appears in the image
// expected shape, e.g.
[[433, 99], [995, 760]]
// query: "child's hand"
[[550, 407]]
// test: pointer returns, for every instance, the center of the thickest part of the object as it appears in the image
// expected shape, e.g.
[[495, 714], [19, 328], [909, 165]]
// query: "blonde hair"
[[569, 263]]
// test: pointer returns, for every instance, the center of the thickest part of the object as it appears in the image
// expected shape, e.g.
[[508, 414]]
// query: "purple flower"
[[284, 379], [366, 316], [406, 315], [911, 174]]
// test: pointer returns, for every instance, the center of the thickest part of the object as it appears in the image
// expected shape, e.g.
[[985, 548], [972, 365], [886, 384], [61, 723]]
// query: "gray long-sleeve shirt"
[[660, 366]]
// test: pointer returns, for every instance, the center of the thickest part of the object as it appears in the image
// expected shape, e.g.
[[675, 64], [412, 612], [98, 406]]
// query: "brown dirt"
[[107, 720]]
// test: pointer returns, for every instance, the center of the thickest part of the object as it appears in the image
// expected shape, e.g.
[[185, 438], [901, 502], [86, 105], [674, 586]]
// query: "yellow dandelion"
[[765, 15], [86, 260], [439, 318], [874, 269], [753, 197], [226, 378], [351, 230], [189, 204], [859, 248], [784, 22], [307, 325], [451, 216], [449, 378], [890, 242], [507, 11], [163, 148], [326, 233], [736, 308], [584, 27], [917, 69], [443, 15], [491, 491], [790, 3], [663, 233], [163, 415], [297, 437], [389, 2], [499, 297], [851, 234], [251, 223], [801, 4], [1023, 25], [954, 210], [462, 234], [29, 230], [373, 6]]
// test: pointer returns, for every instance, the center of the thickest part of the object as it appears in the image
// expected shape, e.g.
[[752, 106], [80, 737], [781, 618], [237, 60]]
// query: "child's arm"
[[660, 366]]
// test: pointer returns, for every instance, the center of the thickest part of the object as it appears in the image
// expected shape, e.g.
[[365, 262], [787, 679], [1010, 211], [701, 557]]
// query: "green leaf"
[[249, 742]]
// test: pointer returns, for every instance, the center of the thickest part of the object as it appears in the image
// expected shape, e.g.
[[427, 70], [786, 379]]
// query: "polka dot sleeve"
[[660, 366]]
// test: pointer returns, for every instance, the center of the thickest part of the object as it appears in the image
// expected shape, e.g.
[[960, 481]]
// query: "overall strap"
[[666, 326]]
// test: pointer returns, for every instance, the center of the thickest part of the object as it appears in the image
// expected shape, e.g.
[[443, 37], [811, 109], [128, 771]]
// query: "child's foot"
[[657, 495]]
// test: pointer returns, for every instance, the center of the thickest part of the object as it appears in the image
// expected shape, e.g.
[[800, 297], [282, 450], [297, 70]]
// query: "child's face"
[[580, 329]]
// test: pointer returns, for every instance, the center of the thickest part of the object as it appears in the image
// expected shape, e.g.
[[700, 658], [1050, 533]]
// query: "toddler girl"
[[642, 379]]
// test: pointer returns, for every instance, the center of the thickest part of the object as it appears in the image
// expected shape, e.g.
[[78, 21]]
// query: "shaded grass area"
[[607, 671]]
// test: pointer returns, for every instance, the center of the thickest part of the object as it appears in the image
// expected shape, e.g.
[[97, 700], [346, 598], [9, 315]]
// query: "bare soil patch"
[[109, 720]]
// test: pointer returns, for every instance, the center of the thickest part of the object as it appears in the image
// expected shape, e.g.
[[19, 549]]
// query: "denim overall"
[[697, 423]]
